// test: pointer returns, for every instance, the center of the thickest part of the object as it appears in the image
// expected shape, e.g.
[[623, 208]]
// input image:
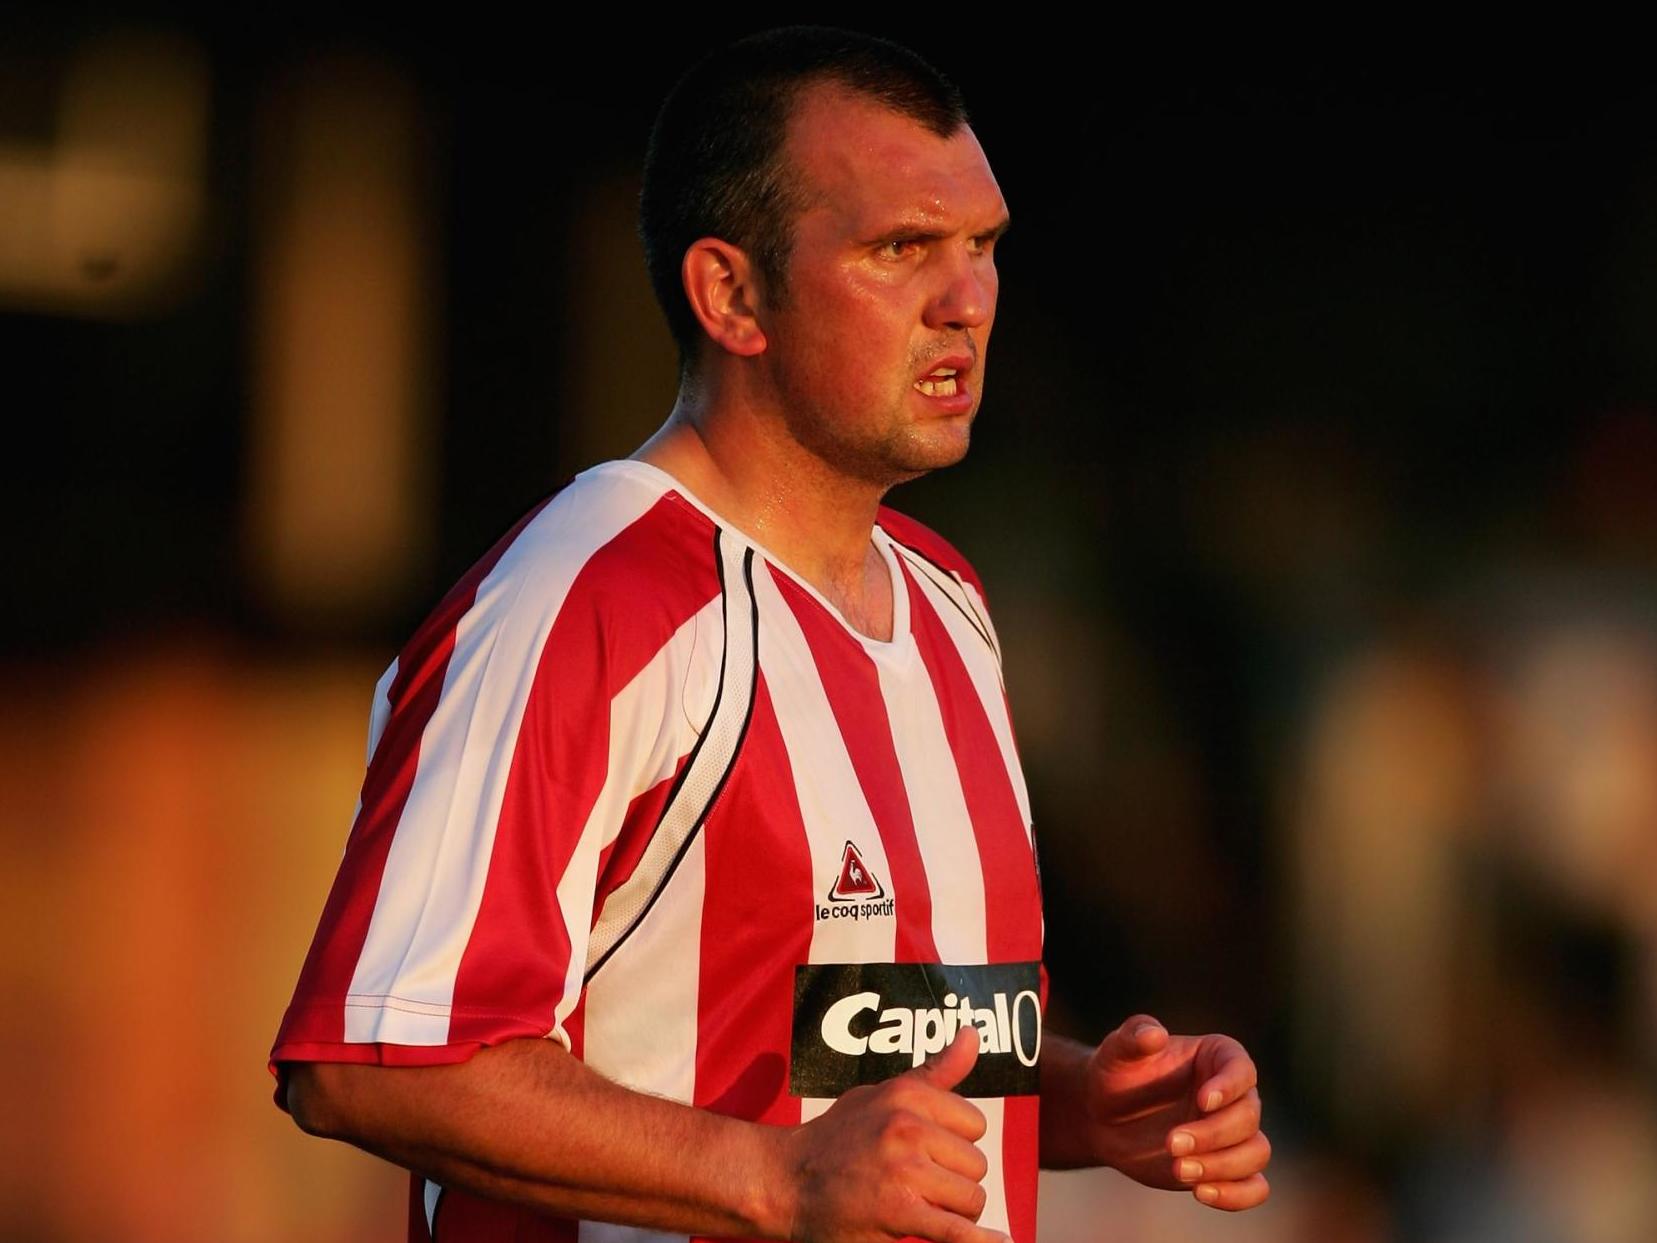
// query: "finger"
[[1234, 1074], [946, 1112], [1234, 1197], [1233, 1164], [964, 1197], [926, 1221], [1230, 1125], [958, 1155], [956, 1115], [946, 1069], [1137, 1037]]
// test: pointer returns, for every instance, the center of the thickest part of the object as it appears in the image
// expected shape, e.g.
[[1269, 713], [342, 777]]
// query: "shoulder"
[[618, 535], [925, 542], [610, 565]]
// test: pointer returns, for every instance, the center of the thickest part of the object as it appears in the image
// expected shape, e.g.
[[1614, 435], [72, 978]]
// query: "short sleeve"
[[496, 780]]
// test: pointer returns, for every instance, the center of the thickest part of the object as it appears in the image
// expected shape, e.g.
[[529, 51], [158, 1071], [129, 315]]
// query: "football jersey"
[[638, 788]]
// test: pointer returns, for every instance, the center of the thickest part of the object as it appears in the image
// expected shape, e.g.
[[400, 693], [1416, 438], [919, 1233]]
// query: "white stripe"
[[943, 829], [985, 672], [379, 712], [830, 797], [980, 609], [645, 745], [641, 1016], [604, 1232], [993, 1147], [430, 1196], [439, 858]]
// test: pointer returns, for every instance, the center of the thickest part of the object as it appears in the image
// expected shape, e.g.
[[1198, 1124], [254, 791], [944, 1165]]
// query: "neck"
[[740, 460]]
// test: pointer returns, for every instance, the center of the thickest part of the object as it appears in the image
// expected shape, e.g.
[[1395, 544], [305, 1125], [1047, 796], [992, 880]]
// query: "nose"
[[967, 297]]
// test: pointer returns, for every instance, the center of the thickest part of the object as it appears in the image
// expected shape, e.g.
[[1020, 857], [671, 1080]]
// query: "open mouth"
[[939, 383]]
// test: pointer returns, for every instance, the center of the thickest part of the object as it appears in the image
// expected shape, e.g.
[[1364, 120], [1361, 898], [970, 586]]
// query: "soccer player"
[[692, 891]]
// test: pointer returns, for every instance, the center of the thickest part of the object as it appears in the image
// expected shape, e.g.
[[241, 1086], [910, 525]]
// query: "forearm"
[[528, 1123], [1065, 1140]]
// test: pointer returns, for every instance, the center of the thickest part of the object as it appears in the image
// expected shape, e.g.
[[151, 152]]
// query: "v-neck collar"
[[890, 651]]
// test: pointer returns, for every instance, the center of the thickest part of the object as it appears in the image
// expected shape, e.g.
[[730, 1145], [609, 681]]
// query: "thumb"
[[946, 1069], [1137, 1037]]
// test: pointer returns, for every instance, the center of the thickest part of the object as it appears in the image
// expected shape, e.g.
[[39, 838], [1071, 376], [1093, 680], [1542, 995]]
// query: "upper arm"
[[364, 1101], [460, 914]]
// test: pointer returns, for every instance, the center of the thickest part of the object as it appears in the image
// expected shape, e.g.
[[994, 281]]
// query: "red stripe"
[[625, 603], [852, 683], [367, 1053], [417, 1232], [1012, 898], [317, 1015], [1012, 901], [617, 861], [463, 1218], [758, 886], [1020, 1159]]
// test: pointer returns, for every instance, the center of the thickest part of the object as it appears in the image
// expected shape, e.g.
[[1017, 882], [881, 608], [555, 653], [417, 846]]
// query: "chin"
[[947, 442], [932, 453]]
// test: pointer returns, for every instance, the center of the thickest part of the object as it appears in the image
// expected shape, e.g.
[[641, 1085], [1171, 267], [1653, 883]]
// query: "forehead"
[[872, 167]]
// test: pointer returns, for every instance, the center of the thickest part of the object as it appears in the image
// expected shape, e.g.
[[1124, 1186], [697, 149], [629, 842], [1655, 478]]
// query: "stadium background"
[[1313, 488]]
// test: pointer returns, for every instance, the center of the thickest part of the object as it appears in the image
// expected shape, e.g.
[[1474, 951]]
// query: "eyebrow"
[[924, 233]]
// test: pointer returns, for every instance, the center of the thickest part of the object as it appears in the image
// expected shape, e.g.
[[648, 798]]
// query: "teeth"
[[943, 371], [939, 388]]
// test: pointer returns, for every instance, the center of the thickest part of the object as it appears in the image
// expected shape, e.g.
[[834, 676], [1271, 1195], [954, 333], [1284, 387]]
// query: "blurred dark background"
[[1313, 489]]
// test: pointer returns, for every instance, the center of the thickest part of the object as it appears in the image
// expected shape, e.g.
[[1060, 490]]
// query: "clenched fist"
[[894, 1159]]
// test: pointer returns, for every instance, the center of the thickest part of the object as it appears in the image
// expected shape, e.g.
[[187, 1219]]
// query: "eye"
[[898, 248]]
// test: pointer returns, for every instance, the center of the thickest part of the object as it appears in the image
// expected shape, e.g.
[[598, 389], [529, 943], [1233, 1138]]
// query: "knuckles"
[[900, 1132], [905, 1091]]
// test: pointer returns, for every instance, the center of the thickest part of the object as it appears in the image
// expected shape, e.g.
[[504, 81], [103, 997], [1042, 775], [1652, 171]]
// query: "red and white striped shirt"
[[636, 787]]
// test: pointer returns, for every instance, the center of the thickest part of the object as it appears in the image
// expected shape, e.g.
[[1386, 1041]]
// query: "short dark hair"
[[715, 165]]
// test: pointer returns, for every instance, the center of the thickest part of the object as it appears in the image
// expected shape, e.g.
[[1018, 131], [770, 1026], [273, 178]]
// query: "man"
[[693, 870]]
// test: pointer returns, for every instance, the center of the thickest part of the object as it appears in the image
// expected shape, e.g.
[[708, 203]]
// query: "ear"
[[723, 291]]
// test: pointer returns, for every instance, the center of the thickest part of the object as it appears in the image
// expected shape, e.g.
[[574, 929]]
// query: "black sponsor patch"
[[857, 1023]]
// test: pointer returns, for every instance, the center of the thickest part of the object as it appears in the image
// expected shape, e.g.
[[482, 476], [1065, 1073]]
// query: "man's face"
[[891, 287]]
